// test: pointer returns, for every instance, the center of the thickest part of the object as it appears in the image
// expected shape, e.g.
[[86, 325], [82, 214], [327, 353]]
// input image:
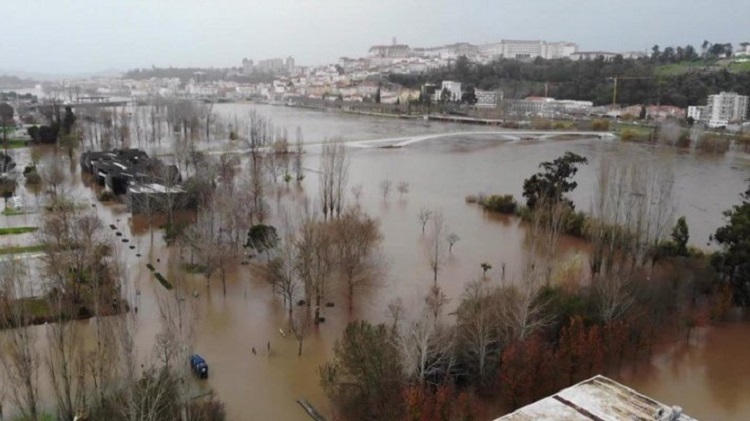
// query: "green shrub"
[[575, 223], [106, 196], [684, 140], [541, 124], [500, 203], [564, 125], [150, 267], [711, 143], [33, 178], [173, 231], [628, 135], [162, 280], [193, 268], [600, 125]]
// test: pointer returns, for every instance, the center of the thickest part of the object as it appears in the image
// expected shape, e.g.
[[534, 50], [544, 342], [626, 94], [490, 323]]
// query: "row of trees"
[[679, 54]]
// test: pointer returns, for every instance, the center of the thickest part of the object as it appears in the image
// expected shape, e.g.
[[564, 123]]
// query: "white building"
[[290, 64], [697, 112], [247, 66], [528, 50], [598, 398], [743, 50], [725, 108], [593, 55], [453, 88], [488, 99]]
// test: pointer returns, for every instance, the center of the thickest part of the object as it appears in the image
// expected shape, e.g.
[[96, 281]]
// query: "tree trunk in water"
[[351, 296], [299, 351]]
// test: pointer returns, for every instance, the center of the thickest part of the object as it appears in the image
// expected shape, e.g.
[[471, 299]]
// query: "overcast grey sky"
[[55, 36]]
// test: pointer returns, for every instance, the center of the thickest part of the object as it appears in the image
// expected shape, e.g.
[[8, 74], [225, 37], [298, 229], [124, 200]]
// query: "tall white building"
[[290, 64], [725, 108]]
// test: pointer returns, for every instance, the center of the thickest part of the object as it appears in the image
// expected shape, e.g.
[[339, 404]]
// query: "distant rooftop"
[[597, 399]]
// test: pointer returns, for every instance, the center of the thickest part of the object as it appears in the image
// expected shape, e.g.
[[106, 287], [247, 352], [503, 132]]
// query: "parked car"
[[199, 366]]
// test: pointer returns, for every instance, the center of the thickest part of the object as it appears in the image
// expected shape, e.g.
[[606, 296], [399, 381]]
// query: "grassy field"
[[633, 132], [12, 212], [21, 249], [13, 143], [17, 230]]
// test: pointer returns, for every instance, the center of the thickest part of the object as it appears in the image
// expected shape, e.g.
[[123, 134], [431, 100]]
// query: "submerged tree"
[[733, 261], [357, 244], [334, 176], [364, 380], [554, 181]]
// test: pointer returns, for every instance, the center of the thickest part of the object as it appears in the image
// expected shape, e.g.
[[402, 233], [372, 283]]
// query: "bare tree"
[[65, 360], [53, 176], [360, 263], [614, 296], [435, 301], [632, 211], [403, 188], [282, 269], [385, 188], [425, 346], [334, 176], [436, 252], [424, 216], [521, 308], [257, 138], [202, 237], [477, 325], [300, 326], [452, 239], [20, 358], [357, 193], [546, 227], [298, 151], [315, 258]]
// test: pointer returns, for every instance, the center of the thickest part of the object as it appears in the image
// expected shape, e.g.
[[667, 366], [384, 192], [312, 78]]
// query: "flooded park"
[[254, 362]]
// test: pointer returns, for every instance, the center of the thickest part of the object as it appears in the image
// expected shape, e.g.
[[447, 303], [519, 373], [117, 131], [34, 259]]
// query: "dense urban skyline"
[[83, 36]]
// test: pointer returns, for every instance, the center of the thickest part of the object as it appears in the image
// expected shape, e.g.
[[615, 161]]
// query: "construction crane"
[[614, 87]]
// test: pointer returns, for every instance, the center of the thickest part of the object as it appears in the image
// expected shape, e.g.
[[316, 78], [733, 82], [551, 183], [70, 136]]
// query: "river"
[[440, 173]]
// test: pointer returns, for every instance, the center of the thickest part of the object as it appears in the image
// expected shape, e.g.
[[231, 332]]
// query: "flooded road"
[[440, 173]]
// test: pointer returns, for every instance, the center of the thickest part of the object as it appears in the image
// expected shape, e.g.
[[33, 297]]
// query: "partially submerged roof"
[[597, 399], [153, 188]]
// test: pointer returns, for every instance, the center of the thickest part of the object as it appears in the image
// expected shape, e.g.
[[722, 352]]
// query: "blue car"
[[199, 366]]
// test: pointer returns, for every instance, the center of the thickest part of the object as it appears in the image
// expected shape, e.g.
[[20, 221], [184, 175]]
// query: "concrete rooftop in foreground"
[[599, 399]]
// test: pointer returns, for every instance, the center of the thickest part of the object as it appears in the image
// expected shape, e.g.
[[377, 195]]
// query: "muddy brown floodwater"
[[709, 378]]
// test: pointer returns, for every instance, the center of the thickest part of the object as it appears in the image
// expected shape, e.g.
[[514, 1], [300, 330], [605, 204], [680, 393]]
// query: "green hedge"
[[500, 203], [162, 280]]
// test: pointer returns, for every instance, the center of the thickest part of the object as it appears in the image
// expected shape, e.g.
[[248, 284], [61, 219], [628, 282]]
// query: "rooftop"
[[597, 399]]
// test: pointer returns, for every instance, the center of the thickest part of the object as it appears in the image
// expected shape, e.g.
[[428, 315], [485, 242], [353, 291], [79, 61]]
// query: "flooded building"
[[152, 198], [118, 169], [597, 399]]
